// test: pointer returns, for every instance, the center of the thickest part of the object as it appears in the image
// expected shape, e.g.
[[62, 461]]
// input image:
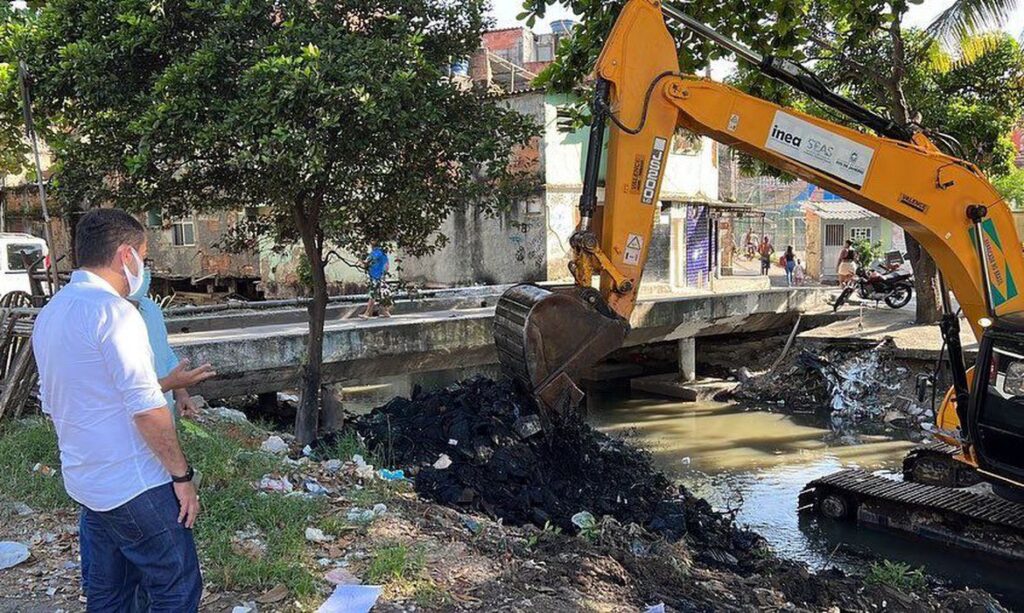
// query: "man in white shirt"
[[120, 456]]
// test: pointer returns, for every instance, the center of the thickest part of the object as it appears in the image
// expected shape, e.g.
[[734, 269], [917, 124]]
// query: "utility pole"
[[3, 203], [30, 132]]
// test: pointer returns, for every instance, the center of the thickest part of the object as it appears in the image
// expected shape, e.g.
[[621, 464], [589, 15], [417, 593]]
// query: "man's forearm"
[[157, 428]]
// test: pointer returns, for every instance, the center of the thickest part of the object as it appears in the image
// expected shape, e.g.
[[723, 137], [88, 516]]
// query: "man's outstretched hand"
[[182, 377]]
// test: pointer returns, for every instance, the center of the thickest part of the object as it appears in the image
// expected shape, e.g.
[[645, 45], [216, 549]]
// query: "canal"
[[754, 464]]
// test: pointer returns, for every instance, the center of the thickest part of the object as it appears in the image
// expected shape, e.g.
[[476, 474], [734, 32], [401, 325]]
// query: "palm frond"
[[964, 18]]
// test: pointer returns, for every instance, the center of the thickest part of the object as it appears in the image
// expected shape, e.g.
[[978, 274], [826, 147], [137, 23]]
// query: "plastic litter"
[[12, 554], [363, 470], [248, 607], [351, 599], [365, 516], [307, 451], [471, 524], [359, 516], [274, 444], [43, 470], [270, 483], [391, 475], [315, 488], [332, 466], [316, 535], [656, 608], [584, 520], [443, 462], [453, 442]]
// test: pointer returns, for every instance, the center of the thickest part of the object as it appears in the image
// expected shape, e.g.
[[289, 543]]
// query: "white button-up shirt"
[[95, 374]]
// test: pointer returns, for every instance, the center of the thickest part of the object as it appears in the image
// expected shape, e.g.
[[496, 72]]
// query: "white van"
[[18, 252]]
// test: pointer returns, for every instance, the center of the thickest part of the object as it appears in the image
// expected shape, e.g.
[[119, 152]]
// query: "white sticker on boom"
[[634, 245], [818, 148]]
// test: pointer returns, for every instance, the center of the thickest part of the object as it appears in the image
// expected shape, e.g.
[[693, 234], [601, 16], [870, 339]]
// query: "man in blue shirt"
[[377, 264]]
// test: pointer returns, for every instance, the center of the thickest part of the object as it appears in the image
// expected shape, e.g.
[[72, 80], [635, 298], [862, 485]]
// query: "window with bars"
[[860, 234], [183, 233], [834, 234]]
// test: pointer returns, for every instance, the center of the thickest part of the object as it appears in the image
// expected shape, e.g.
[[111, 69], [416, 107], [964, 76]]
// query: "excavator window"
[[1000, 404]]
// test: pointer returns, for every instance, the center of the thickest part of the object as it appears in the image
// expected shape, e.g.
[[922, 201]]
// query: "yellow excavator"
[[547, 339]]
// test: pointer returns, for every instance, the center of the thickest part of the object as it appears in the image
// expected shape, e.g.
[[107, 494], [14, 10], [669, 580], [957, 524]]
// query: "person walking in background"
[[846, 266], [800, 273], [789, 261], [377, 265], [765, 250], [119, 451]]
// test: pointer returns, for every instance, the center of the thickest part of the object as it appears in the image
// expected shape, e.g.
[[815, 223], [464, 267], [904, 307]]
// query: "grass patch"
[[228, 465], [345, 445], [231, 504], [426, 594], [395, 564], [898, 575], [23, 444]]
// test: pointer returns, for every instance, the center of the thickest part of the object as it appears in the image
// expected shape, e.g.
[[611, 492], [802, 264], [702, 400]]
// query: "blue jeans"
[[139, 547]]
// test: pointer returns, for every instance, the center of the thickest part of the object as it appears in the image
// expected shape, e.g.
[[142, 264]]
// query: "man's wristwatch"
[[186, 477]]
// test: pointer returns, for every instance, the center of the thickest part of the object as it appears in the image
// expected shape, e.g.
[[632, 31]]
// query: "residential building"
[[831, 222]]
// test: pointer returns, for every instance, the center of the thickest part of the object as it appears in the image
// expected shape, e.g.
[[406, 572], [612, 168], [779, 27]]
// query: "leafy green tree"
[[1011, 187], [334, 119], [13, 147]]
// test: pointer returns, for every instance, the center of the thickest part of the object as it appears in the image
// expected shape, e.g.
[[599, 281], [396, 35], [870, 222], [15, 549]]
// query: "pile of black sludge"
[[505, 464]]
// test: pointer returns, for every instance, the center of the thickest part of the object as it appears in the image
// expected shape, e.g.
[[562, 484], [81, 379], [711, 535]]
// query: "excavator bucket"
[[547, 339]]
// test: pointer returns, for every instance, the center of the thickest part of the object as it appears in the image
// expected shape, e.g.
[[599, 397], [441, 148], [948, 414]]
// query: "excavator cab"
[[996, 412]]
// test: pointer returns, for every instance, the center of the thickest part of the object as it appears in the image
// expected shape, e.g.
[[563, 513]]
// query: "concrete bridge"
[[266, 358]]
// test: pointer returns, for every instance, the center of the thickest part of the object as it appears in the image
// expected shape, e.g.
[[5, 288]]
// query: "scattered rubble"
[[852, 389], [250, 542], [225, 414]]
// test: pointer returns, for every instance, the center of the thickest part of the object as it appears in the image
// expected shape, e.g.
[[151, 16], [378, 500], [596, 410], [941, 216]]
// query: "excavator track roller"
[[547, 339]]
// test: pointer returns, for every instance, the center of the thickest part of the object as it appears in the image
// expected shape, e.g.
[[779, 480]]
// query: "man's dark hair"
[[101, 231]]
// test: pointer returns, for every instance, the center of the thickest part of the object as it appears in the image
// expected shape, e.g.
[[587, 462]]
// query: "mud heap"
[[478, 447], [504, 464]]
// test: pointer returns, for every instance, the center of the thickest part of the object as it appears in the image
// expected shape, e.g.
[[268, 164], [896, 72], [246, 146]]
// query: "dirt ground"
[[473, 554]]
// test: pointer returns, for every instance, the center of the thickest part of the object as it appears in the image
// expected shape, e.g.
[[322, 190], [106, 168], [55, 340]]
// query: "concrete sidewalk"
[[872, 324]]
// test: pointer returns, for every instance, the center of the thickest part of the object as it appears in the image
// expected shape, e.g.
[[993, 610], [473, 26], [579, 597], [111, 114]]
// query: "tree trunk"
[[926, 283], [307, 416]]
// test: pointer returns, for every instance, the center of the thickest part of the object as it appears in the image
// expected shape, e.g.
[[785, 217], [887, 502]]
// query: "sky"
[[505, 11]]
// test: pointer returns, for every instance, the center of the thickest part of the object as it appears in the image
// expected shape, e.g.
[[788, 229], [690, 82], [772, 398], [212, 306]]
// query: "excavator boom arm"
[[943, 202]]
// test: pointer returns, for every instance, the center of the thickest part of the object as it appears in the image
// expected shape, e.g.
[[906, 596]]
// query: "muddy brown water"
[[755, 464]]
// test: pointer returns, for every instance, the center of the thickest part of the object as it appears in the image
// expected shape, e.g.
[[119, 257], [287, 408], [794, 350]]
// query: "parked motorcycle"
[[889, 285]]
